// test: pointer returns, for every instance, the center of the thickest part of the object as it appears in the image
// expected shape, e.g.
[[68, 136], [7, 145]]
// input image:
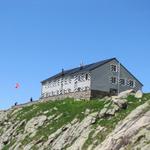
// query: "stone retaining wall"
[[86, 95], [99, 94], [75, 95]]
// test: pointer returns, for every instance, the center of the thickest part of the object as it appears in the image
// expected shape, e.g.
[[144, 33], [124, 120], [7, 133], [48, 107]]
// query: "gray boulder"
[[125, 94], [139, 94], [121, 103], [34, 123]]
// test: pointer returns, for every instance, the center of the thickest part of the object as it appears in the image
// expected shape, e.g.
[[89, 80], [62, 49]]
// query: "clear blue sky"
[[39, 37]]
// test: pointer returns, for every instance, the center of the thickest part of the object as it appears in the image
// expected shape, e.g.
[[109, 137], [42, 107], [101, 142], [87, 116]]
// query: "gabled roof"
[[80, 69], [87, 68]]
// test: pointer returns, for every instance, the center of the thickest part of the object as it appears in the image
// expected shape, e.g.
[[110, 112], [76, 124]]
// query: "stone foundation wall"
[[87, 95], [76, 95], [99, 94], [79, 95]]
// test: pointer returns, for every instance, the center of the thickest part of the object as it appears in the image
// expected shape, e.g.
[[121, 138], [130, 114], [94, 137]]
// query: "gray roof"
[[80, 69]]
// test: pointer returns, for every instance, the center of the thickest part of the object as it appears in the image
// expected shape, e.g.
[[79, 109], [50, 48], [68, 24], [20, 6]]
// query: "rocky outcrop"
[[3, 116], [139, 94], [97, 126], [34, 124], [127, 129], [125, 94], [69, 133]]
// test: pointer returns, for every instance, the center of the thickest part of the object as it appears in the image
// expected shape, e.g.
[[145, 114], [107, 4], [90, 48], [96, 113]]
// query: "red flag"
[[17, 85]]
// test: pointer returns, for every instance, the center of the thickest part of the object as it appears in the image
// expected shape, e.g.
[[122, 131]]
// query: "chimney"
[[62, 72]]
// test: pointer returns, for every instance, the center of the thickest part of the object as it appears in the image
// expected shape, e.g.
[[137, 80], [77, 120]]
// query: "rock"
[[110, 112], [121, 103], [140, 100], [124, 94], [74, 121], [45, 112], [107, 105], [106, 98], [66, 127], [78, 100], [102, 113], [60, 115], [5, 140], [87, 112], [98, 130], [17, 146], [16, 110], [78, 144], [28, 147], [51, 138], [81, 130], [34, 123], [125, 131], [51, 117], [116, 108], [55, 108], [71, 133], [139, 94], [3, 116]]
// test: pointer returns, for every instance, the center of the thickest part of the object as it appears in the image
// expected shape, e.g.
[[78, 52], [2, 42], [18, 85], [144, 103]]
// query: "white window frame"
[[124, 82], [128, 83], [111, 80], [111, 69]]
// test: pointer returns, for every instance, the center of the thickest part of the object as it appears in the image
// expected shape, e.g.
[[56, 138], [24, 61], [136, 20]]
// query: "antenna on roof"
[[81, 65]]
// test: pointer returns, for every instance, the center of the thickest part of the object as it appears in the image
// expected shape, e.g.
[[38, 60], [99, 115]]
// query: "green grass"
[[68, 107], [70, 110], [6, 147], [110, 123]]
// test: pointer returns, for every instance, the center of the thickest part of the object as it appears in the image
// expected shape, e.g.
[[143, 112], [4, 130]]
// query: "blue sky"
[[39, 37]]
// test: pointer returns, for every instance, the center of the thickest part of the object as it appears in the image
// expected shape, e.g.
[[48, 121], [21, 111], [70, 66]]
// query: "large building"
[[107, 77]]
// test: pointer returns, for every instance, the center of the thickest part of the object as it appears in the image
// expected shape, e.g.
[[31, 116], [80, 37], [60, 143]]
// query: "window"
[[75, 84], [57, 92], [44, 94], [69, 80], [131, 83], [52, 93], [113, 91], [69, 90], [82, 77], [114, 68], [60, 91], [113, 80], [79, 89], [57, 83], [65, 81], [86, 77], [79, 78], [122, 82], [87, 88], [76, 78], [47, 94], [65, 91]]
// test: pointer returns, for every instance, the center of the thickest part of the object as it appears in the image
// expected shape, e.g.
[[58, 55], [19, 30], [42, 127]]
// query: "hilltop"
[[117, 123]]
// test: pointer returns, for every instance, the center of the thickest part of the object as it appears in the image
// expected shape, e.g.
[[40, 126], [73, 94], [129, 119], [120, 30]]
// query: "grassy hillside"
[[60, 113]]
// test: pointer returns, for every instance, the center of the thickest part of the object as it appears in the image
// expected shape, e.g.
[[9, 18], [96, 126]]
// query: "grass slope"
[[69, 110]]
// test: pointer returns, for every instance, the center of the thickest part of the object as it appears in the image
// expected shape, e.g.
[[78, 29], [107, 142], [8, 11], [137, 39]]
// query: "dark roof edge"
[[107, 61], [131, 74]]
